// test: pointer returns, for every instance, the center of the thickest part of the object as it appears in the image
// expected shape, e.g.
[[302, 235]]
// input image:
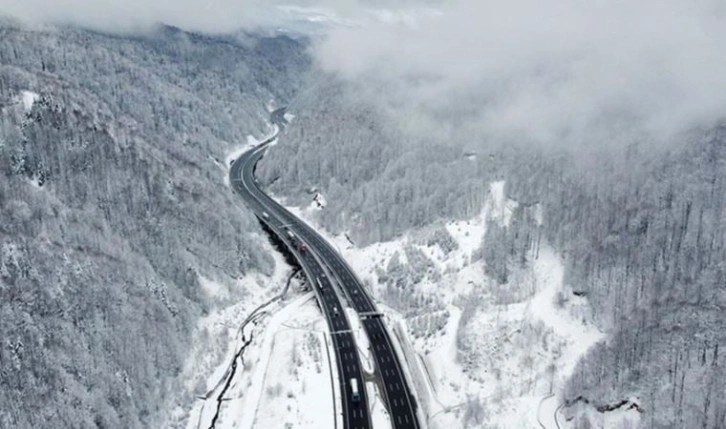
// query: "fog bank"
[[554, 71]]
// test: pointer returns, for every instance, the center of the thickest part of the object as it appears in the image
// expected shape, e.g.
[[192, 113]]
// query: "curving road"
[[355, 413], [329, 272]]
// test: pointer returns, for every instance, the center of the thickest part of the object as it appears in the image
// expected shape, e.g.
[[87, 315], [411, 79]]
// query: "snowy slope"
[[488, 364], [218, 337], [284, 379], [28, 99]]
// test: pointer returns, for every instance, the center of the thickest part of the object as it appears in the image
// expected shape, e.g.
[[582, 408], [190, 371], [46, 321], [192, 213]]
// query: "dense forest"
[[640, 230], [112, 204], [380, 181]]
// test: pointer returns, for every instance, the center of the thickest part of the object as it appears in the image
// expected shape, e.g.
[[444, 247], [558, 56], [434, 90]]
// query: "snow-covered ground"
[[218, 335], [28, 99], [489, 364], [283, 378], [295, 381], [622, 418]]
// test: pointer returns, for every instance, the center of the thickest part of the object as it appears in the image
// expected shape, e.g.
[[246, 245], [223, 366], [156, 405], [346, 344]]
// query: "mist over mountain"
[[556, 73], [626, 161], [211, 16], [476, 139]]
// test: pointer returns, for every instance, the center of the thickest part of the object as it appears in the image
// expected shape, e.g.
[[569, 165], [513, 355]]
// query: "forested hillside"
[[646, 244], [112, 204], [378, 180], [641, 232]]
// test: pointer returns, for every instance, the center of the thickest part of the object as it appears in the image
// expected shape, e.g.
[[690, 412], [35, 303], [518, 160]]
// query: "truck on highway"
[[354, 393]]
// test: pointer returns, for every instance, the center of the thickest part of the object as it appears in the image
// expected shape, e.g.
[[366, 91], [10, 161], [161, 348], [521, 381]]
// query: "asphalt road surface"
[[329, 273], [355, 412]]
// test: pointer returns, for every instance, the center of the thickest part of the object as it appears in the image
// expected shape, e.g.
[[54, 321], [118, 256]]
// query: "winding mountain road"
[[334, 283]]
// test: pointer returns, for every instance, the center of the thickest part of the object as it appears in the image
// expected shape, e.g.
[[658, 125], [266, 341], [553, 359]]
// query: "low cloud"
[[535, 70], [213, 16], [547, 71]]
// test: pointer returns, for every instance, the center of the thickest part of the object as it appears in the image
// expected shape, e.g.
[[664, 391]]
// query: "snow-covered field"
[[489, 364], [292, 378], [283, 378], [218, 336]]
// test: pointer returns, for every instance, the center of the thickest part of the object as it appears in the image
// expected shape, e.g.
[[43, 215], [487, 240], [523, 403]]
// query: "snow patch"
[[361, 340], [547, 411], [35, 182], [28, 99], [271, 105], [538, 214], [213, 289], [578, 336], [469, 235], [380, 419], [618, 419], [379, 415], [627, 416], [501, 207]]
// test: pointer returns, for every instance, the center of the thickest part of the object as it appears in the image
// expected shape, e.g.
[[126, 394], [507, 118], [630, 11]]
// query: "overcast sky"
[[543, 70]]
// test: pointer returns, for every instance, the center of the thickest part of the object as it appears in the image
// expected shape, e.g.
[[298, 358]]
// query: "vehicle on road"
[[335, 311], [297, 243], [354, 393], [265, 215]]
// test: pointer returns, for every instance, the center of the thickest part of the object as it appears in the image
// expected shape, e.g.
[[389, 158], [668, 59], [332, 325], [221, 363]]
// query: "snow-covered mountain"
[[114, 218], [525, 285], [634, 236]]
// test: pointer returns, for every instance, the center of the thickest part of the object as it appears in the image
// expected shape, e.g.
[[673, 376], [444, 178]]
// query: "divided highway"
[[355, 412], [320, 262]]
